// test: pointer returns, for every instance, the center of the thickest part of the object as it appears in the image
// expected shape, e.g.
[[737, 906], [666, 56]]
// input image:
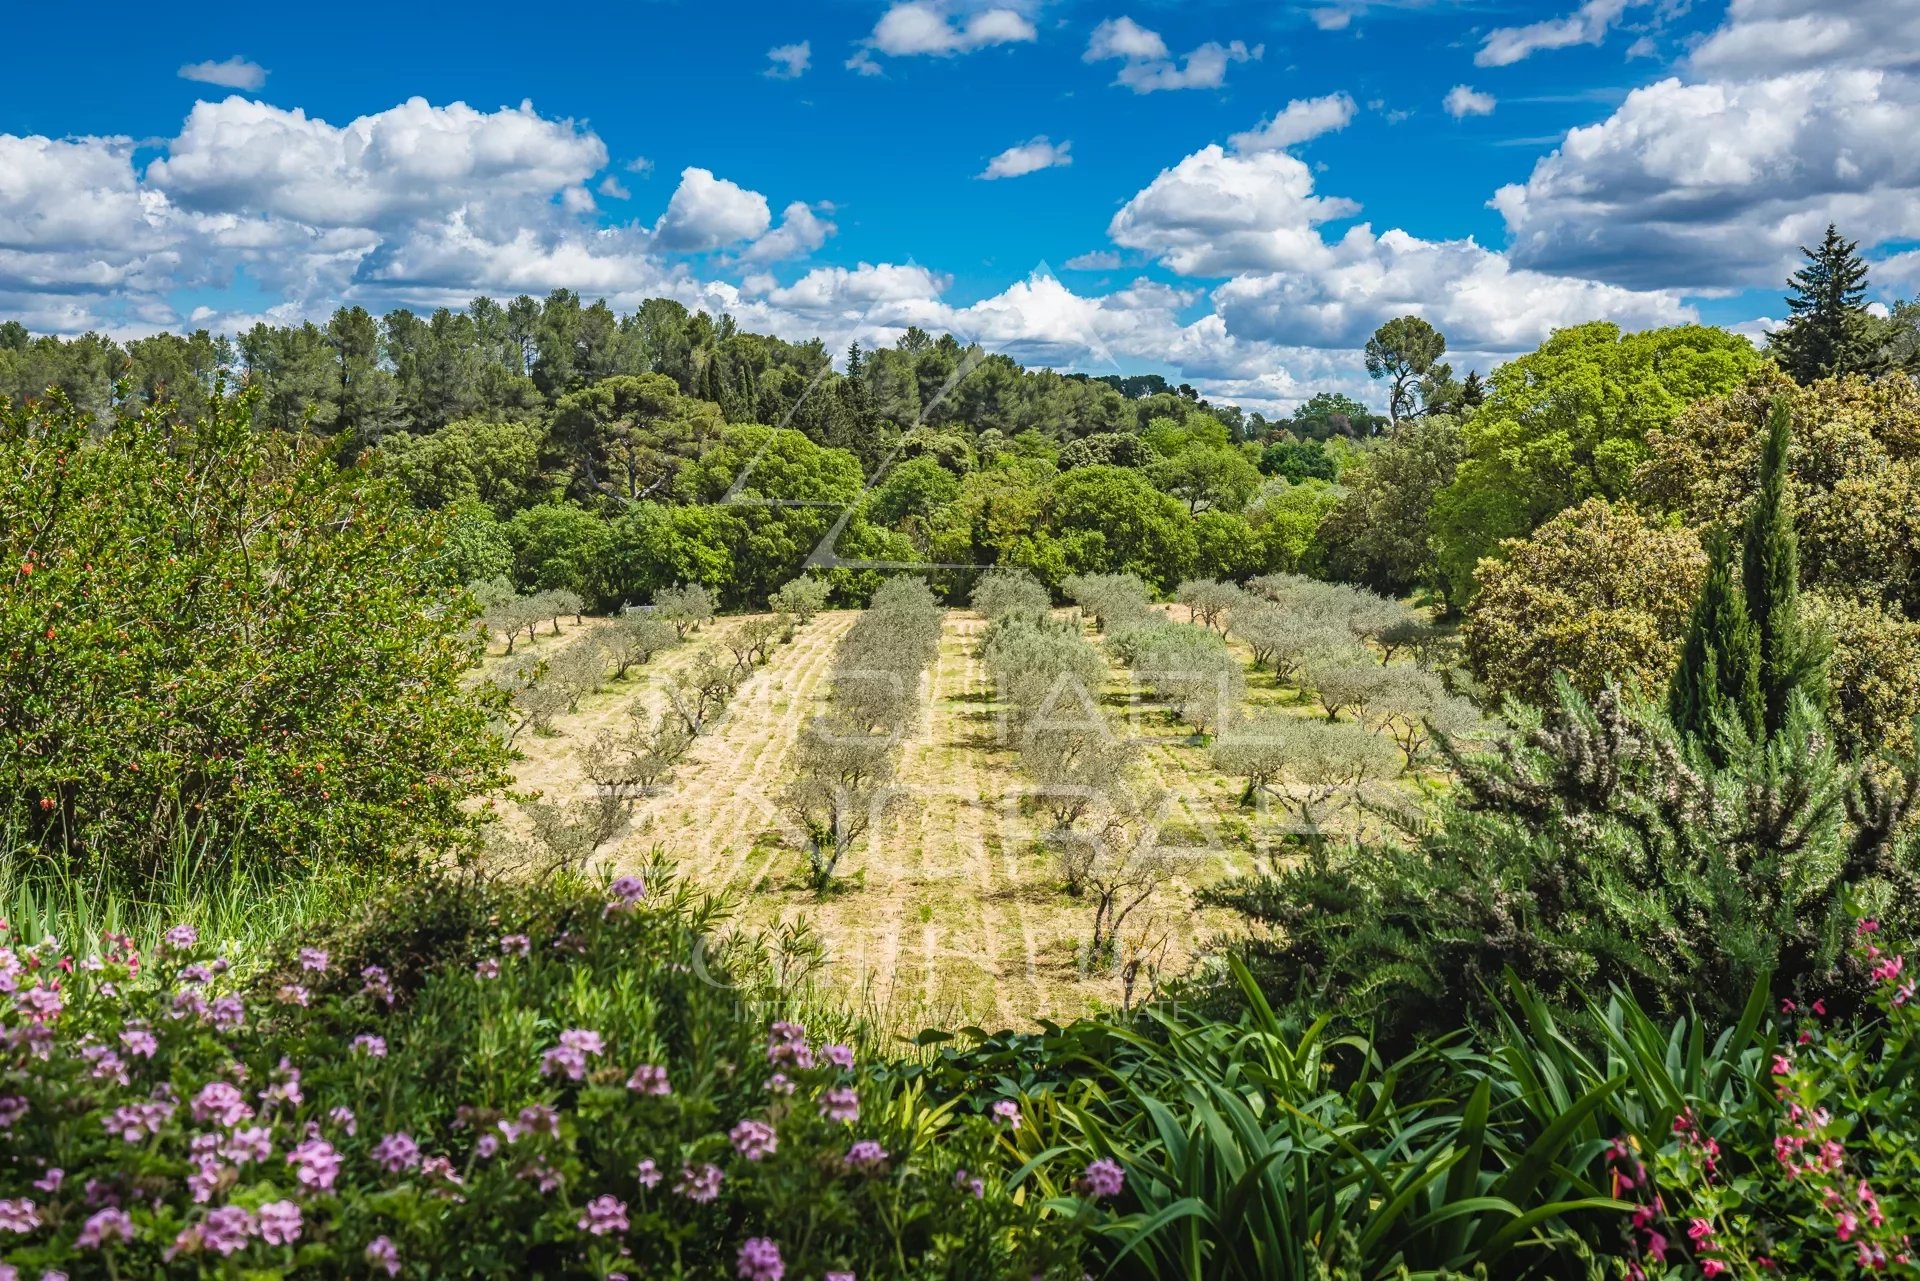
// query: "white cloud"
[[1302, 120], [801, 231], [612, 188], [1124, 38], [1255, 220], [790, 61], [915, 27], [1588, 24], [1767, 37], [706, 213], [1332, 19], [399, 163], [1148, 67], [232, 73], [1028, 157], [1714, 179], [640, 165], [1094, 260], [1464, 100]]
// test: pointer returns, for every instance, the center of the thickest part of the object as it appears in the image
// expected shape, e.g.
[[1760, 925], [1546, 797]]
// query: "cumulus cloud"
[[790, 61], [1028, 157], [1464, 100], [1094, 260], [1302, 120], [706, 212], [1793, 113], [231, 73], [1588, 25], [929, 27], [1257, 221], [801, 231], [1146, 65]]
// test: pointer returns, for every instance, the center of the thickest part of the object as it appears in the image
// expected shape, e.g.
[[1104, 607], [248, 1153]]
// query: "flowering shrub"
[[583, 1088], [1813, 1170]]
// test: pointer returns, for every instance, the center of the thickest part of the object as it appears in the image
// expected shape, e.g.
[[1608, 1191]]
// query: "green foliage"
[[1003, 593], [1108, 449], [801, 597], [470, 1079], [1718, 679], [1328, 413], [558, 545], [1568, 423], [1599, 595], [1207, 478], [1592, 850], [1406, 351], [1792, 657], [1828, 331], [214, 634], [1380, 533], [473, 460], [914, 489], [1298, 460]]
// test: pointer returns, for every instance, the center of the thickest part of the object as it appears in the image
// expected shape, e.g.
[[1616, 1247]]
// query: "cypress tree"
[[1719, 671], [1829, 332], [1792, 654]]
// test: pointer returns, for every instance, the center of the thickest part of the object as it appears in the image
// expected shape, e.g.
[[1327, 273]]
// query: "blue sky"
[[663, 151]]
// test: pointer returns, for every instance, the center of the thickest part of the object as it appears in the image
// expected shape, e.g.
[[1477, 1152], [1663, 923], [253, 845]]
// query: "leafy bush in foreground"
[[477, 1083], [208, 632]]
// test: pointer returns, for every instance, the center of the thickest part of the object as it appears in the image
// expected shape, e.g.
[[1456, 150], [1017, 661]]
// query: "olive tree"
[[801, 597], [632, 639], [698, 693], [1112, 599], [1002, 592], [1210, 601], [842, 787], [687, 607]]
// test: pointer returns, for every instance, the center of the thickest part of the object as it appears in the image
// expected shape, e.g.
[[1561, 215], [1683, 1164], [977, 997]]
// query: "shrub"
[[217, 634], [479, 1082], [802, 597], [687, 607], [633, 639], [1001, 592], [1114, 600]]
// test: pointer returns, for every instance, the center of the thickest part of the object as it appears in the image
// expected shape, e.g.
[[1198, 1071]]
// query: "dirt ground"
[[950, 913]]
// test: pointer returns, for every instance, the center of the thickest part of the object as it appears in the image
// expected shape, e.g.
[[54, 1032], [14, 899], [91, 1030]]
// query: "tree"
[[842, 787], [1405, 351], [1298, 460], [1207, 477], [697, 693], [220, 639], [632, 639], [1380, 534], [1004, 592], [1792, 655], [1569, 422], [1599, 595], [687, 607], [558, 545], [801, 597], [1328, 414], [1717, 685], [1829, 332], [1209, 601]]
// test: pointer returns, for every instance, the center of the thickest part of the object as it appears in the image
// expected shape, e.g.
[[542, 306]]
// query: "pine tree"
[[1829, 332], [1792, 653], [1718, 679]]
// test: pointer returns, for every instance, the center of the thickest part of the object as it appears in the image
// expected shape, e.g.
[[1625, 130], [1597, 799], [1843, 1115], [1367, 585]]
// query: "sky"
[[1232, 194]]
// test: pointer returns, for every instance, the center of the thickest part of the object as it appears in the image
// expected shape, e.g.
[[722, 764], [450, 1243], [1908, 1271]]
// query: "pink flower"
[[1845, 1224], [569, 1058], [181, 937], [1101, 1179], [1711, 1267], [374, 1047], [220, 1104], [754, 1139], [839, 1055], [228, 1012], [604, 1214], [702, 1184], [649, 1079], [279, 1223], [1007, 1113], [839, 1276], [515, 945], [102, 1227], [759, 1260], [866, 1156], [627, 893], [138, 1041], [396, 1152], [314, 959], [52, 1179], [841, 1104], [293, 994], [252, 1144], [780, 1083], [486, 1145], [227, 1229], [382, 1254], [316, 1163], [18, 1216], [648, 1173], [1700, 1231], [343, 1117], [487, 969], [374, 983], [1782, 1065]]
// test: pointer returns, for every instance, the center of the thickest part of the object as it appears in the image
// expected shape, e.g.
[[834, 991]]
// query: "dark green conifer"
[[1717, 685], [1792, 653], [1829, 332]]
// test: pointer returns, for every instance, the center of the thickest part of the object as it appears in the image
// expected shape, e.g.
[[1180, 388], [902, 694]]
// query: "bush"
[[802, 597], [217, 635], [1001, 592], [1595, 849], [572, 1081]]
